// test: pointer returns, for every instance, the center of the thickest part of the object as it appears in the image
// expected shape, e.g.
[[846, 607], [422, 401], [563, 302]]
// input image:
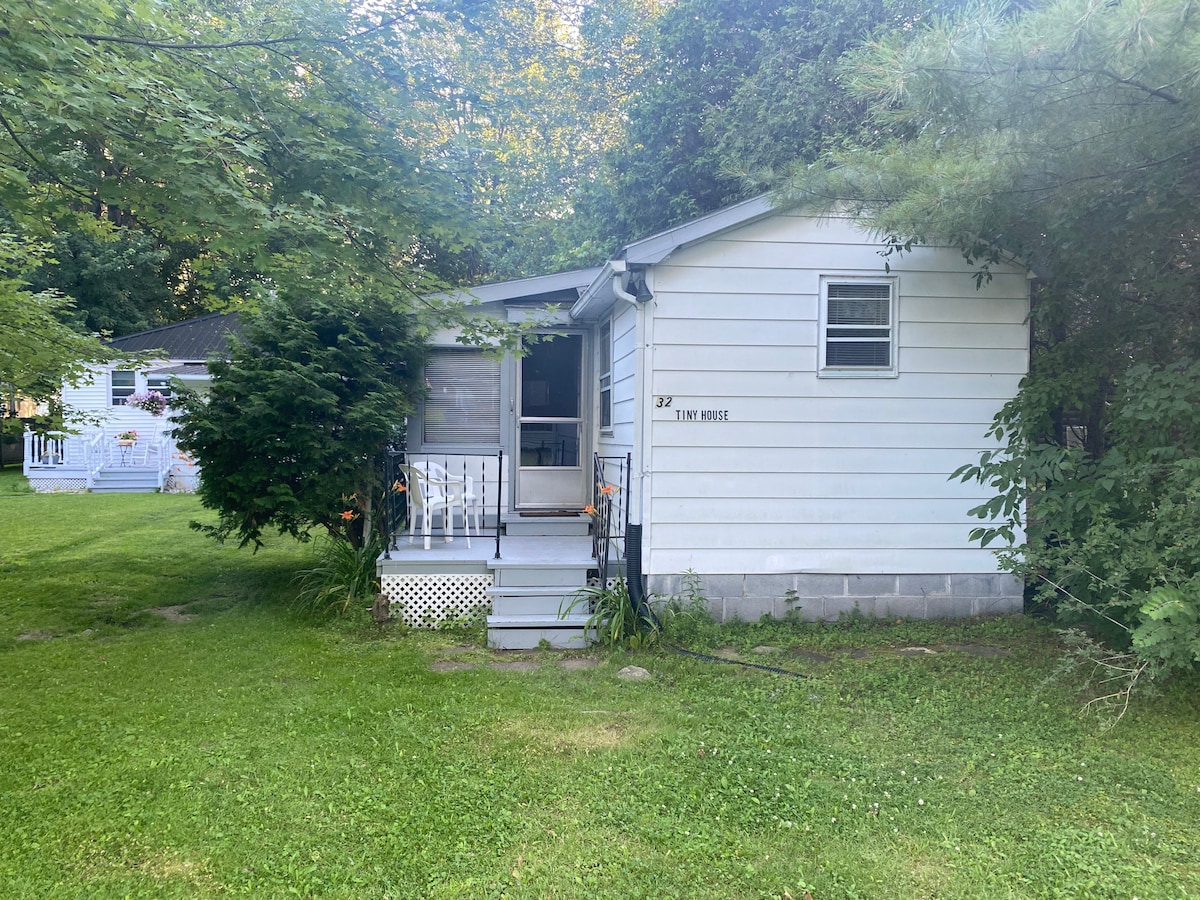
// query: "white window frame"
[[604, 381], [126, 390], [824, 338]]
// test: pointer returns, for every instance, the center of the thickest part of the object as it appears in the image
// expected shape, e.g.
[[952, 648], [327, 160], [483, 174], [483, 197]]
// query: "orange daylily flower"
[[348, 515], [399, 487], [590, 510], [608, 489]]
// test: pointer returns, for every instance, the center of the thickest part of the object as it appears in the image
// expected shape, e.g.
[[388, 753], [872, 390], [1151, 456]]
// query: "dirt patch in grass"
[[173, 613], [575, 663], [519, 665], [600, 735], [446, 665], [982, 650], [36, 636]]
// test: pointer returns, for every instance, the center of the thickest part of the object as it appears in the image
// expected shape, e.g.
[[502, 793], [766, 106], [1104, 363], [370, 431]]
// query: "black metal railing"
[[481, 476], [610, 507]]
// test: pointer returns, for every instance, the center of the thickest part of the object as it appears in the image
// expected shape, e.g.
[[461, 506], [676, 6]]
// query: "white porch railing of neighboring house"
[[62, 461]]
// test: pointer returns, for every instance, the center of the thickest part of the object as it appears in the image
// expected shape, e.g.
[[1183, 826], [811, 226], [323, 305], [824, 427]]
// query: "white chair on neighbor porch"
[[426, 496], [463, 486], [148, 447]]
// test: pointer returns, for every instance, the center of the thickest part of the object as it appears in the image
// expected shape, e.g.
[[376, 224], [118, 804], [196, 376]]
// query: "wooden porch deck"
[[456, 556]]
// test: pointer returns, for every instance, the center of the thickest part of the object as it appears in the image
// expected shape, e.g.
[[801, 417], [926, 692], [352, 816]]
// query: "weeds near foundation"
[[613, 618]]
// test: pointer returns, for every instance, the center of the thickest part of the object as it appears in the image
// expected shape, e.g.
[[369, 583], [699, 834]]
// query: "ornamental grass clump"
[[341, 578]]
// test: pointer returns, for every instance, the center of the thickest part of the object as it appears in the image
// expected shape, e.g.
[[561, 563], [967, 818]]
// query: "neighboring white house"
[[792, 406], [91, 456]]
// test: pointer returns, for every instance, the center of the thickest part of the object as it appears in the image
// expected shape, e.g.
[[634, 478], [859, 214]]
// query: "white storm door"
[[550, 444]]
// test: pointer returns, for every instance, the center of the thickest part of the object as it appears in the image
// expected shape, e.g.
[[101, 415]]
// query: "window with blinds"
[[463, 406], [858, 327]]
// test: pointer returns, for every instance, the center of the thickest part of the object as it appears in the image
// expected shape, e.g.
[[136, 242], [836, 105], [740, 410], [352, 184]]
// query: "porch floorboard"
[[518, 550]]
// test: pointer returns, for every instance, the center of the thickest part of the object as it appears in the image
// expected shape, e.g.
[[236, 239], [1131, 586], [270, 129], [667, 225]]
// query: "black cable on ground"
[[708, 657]]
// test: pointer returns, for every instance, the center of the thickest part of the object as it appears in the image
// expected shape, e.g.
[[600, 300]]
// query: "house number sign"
[[667, 408]]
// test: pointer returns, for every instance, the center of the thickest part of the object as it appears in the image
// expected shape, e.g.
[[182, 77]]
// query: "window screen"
[[605, 368], [463, 406], [858, 325]]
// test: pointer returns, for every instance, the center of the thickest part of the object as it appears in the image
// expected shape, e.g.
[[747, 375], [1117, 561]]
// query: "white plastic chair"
[[425, 497], [461, 485]]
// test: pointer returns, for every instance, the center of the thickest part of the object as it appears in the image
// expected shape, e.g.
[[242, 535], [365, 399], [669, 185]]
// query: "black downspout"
[[633, 575]]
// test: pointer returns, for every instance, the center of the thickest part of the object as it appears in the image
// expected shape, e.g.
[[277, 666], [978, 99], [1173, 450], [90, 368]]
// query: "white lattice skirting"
[[58, 485], [425, 601]]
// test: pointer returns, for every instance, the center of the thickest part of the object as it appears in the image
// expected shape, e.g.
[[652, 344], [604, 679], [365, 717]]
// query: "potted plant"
[[127, 438]]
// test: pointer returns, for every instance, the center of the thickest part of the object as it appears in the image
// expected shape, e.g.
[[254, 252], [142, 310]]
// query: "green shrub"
[[1109, 529]]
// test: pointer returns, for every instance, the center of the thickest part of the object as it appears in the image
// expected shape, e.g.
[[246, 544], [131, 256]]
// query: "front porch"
[[98, 460], [523, 569]]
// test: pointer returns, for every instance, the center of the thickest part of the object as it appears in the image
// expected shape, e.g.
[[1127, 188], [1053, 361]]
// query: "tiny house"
[[767, 404]]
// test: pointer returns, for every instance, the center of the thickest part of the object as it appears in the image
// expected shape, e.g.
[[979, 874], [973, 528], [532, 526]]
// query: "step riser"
[[534, 606], [541, 576], [531, 638], [547, 527]]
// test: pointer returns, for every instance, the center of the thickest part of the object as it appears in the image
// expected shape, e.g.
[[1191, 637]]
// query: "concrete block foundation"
[[813, 597]]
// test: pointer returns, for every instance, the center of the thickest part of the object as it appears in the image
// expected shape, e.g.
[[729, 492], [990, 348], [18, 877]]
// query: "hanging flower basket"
[[151, 401]]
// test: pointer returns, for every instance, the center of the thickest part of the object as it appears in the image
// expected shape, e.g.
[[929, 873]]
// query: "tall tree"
[[536, 91], [1068, 136], [666, 169], [258, 130], [123, 280], [732, 93], [38, 351]]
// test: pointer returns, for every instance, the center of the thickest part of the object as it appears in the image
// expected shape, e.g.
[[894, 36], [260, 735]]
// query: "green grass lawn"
[[249, 751]]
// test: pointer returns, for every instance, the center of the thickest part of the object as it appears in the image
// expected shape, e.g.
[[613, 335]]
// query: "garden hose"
[[734, 662]]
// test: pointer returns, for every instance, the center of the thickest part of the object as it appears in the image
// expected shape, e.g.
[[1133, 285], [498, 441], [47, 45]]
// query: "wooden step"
[[548, 526], [127, 480], [527, 601], [526, 632]]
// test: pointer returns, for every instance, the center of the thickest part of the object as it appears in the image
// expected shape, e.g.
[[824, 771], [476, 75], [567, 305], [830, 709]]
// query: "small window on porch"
[[605, 370], [463, 405], [159, 383], [123, 384]]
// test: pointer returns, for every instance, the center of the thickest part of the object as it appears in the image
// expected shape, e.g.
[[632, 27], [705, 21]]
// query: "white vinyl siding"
[[618, 440], [463, 406], [816, 474]]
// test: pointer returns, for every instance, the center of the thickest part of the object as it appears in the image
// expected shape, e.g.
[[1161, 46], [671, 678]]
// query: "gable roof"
[[561, 287], [195, 339], [657, 247]]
